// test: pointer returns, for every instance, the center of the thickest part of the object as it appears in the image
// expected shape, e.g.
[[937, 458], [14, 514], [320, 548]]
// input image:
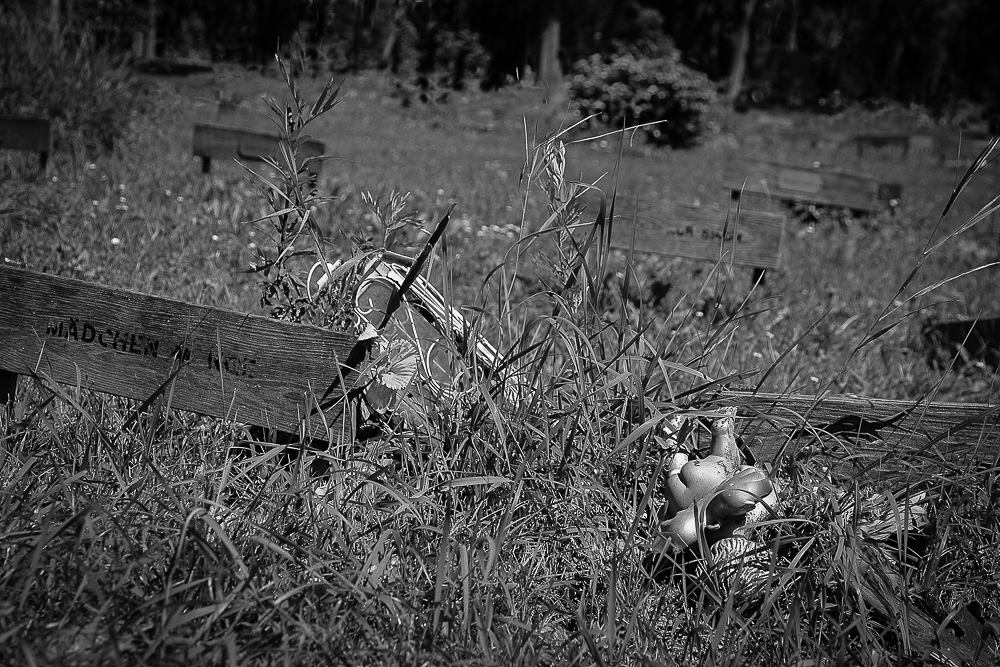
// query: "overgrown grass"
[[90, 97], [508, 520]]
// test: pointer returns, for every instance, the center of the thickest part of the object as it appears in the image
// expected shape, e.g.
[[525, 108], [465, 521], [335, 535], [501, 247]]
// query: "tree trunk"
[[151, 35], [793, 27], [739, 68], [54, 15], [549, 70]]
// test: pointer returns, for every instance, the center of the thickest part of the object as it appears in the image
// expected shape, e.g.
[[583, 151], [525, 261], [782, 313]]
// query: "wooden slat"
[[696, 232], [815, 139], [895, 141], [811, 186], [970, 340], [228, 143], [959, 433], [244, 367], [22, 133]]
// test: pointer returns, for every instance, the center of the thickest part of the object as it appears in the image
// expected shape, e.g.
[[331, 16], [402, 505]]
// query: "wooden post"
[[8, 387]]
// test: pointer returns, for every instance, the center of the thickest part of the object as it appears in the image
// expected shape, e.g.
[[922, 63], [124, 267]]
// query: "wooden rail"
[[247, 368], [23, 133]]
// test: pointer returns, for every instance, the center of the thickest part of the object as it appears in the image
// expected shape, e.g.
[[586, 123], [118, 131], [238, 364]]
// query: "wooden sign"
[[809, 186], [22, 133], [700, 232], [775, 121], [961, 150], [229, 143], [815, 138], [964, 341], [246, 368]]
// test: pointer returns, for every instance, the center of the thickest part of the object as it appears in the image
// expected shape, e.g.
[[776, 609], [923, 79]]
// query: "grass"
[[507, 521]]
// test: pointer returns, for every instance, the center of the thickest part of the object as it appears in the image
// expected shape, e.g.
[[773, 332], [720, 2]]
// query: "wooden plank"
[[920, 436], [965, 341], [229, 143], [892, 141], [231, 365], [815, 138], [961, 150], [697, 232], [24, 133], [810, 186], [775, 121]]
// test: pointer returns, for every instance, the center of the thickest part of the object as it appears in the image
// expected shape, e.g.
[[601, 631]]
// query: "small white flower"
[[116, 241], [215, 237]]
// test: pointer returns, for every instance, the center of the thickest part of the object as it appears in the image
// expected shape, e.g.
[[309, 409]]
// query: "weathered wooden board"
[[815, 138], [23, 133], [231, 365], [697, 232], [892, 141], [810, 186], [960, 150], [775, 121], [230, 143], [965, 341], [921, 435]]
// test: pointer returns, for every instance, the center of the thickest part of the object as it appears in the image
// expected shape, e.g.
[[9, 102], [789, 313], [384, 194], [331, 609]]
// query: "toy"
[[714, 493]]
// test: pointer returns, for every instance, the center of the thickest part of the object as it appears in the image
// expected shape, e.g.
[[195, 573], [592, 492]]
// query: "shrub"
[[63, 77], [633, 89]]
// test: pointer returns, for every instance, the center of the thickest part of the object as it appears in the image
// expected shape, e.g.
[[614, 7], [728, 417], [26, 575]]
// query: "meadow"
[[489, 528]]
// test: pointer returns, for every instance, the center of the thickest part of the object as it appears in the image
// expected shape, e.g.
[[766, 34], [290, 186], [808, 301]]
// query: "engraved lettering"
[[131, 347], [88, 329], [120, 338], [100, 339], [51, 329], [72, 332], [152, 346], [233, 365]]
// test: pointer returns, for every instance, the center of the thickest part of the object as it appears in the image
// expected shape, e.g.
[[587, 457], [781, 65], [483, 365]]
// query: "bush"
[[634, 89], [63, 77]]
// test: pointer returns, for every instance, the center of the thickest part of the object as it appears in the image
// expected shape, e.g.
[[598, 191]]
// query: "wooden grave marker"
[[907, 144], [696, 232], [24, 133], [964, 341], [229, 143], [815, 138], [809, 186], [247, 368]]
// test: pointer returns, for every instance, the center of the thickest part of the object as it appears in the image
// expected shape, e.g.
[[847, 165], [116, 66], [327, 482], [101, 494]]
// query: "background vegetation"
[[483, 529]]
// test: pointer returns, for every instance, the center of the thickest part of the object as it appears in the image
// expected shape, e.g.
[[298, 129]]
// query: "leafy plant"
[[626, 89]]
